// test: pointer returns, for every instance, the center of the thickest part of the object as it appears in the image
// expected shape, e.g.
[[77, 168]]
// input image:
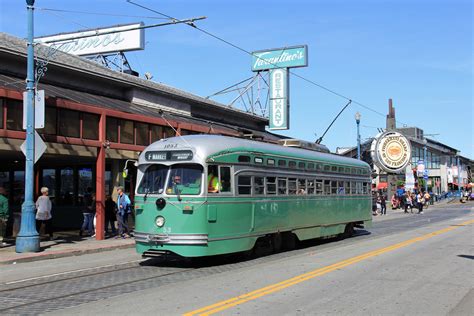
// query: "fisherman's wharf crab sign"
[[391, 151]]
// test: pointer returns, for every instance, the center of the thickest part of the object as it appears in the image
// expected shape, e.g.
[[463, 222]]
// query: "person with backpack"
[[123, 210]]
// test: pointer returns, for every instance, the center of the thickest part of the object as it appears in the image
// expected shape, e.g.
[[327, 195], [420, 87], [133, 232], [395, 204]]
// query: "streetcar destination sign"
[[177, 155], [287, 57]]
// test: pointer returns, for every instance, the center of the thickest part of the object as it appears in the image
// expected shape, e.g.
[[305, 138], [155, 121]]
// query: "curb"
[[63, 254]]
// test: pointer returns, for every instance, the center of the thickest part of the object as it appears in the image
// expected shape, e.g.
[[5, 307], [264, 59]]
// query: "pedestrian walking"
[[383, 205], [4, 212], [43, 213], [379, 204], [427, 198], [110, 217], [88, 213], [420, 200], [123, 210]]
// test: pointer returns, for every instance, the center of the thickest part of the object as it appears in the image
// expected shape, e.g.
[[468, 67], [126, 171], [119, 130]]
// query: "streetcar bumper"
[[171, 239]]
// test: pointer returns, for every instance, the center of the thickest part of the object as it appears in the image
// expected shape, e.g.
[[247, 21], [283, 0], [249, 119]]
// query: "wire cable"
[[101, 13], [250, 53]]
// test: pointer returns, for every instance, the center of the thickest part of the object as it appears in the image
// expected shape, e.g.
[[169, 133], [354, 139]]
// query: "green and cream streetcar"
[[204, 195]]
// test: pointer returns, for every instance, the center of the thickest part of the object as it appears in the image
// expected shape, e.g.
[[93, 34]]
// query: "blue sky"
[[418, 52]]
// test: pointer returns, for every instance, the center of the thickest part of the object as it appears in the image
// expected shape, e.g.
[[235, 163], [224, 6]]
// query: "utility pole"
[[357, 118], [459, 174], [28, 238]]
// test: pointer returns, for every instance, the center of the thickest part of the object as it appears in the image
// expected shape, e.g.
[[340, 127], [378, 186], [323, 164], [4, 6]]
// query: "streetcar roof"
[[205, 146]]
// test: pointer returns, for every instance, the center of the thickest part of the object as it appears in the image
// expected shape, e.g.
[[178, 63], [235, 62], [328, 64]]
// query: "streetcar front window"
[[185, 179], [153, 180]]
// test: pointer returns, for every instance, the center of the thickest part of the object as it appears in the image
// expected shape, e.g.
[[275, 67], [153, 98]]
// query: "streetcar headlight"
[[160, 221]]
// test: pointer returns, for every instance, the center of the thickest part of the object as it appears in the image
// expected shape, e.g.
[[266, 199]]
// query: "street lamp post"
[[426, 163], [357, 118], [27, 239], [459, 174]]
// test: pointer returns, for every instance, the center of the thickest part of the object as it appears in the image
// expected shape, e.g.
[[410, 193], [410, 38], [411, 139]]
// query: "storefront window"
[[90, 126], [142, 134], [126, 132], [69, 123], [50, 121], [168, 132], [14, 115], [85, 181], [67, 186], [112, 129], [5, 180], [49, 181], [18, 188], [108, 182], [1, 112], [156, 133]]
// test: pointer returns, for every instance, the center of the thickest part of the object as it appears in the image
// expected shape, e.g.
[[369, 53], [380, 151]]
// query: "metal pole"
[[28, 238], [358, 140], [426, 167], [459, 175]]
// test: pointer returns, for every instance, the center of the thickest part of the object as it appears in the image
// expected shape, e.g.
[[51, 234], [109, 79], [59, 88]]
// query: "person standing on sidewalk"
[[123, 209], [88, 213], [43, 213], [110, 217], [383, 204], [4, 212]]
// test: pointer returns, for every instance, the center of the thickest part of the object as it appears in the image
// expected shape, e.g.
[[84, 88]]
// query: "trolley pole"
[[28, 238]]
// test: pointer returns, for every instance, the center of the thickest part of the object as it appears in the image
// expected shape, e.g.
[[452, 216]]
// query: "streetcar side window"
[[319, 187], [244, 158], [353, 187], [270, 162], [282, 189], [333, 187], [292, 164], [213, 183], [291, 186], [301, 165], [318, 167], [282, 163], [311, 165], [327, 167], [327, 186], [301, 187], [259, 185], [244, 185], [271, 185], [347, 187], [333, 168], [340, 187], [225, 179], [365, 188], [358, 187], [310, 185]]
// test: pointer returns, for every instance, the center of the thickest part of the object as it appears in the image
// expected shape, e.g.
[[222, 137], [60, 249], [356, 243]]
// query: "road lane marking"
[[69, 272], [226, 304]]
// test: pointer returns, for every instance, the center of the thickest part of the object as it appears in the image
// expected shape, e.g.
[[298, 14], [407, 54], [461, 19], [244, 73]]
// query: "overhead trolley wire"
[[250, 53]]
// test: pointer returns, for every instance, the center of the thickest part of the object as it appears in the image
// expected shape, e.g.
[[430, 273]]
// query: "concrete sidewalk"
[[64, 244]]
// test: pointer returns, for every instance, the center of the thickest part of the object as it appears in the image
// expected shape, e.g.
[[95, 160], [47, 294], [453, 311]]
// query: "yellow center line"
[[217, 307]]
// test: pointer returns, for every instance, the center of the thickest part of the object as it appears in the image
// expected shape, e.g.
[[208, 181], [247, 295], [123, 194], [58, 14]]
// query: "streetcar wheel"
[[289, 241], [276, 242], [348, 231]]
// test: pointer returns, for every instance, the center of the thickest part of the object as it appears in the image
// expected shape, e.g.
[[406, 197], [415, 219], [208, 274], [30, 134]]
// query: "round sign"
[[391, 151]]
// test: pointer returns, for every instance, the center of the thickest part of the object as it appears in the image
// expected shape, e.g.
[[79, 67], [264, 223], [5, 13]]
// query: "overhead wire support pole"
[[28, 239], [320, 139]]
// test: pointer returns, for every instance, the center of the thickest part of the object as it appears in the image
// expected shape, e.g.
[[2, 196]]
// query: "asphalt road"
[[406, 265]]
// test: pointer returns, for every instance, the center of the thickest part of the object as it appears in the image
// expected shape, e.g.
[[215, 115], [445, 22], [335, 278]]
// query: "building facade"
[[442, 161], [96, 122]]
